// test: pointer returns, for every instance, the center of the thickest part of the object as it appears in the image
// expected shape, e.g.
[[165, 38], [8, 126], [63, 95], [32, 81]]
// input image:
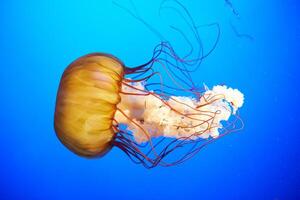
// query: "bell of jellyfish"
[[102, 103]]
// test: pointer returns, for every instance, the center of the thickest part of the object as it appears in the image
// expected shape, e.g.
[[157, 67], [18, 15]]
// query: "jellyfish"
[[102, 103]]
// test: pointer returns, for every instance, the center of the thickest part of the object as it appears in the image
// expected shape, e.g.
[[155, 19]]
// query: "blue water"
[[38, 39]]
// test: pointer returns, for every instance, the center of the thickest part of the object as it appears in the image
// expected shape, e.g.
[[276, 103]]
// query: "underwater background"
[[258, 53]]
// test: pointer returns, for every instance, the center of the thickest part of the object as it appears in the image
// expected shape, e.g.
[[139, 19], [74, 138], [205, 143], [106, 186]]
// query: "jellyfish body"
[[95, 97], [86, 103]]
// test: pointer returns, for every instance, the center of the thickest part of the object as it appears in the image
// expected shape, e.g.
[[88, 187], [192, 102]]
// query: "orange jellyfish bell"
[[86, 103]]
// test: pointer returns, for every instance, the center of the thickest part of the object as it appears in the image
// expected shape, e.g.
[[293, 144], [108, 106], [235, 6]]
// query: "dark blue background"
[[38, 39]]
